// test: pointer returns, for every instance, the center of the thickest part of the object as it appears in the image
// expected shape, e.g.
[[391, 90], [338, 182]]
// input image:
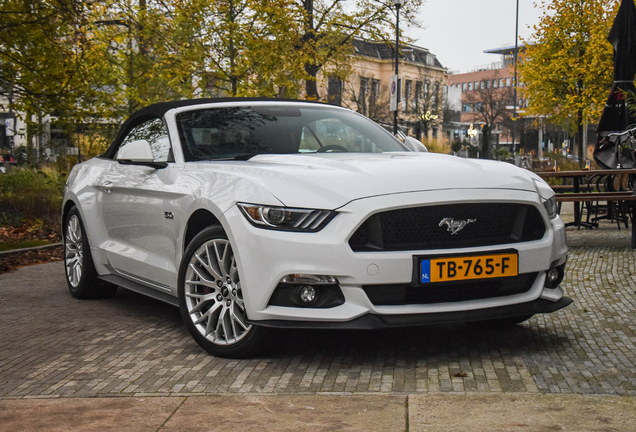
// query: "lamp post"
[[514, 88], [397, 4]]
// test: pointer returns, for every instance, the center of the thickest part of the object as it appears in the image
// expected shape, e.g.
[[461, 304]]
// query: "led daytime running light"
[[309, 279], [289, 219]]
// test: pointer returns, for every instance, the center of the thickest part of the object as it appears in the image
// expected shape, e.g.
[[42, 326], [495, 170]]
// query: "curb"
[[35, 248]]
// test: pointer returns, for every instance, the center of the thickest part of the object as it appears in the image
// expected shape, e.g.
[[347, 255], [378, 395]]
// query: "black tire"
[[81, 276], [223, 308]]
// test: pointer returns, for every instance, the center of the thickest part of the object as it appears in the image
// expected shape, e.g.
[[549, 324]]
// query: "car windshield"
[[241, 132]]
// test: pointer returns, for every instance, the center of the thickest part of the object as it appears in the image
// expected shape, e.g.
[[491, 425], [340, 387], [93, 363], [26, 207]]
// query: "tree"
[[40, 53], [567, 70], [96, 62], [249, 47], [489, 106], [141, 53], [328, 28], [427, 103]]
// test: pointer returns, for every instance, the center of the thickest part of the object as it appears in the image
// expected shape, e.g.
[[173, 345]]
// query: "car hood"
[[332, 180]]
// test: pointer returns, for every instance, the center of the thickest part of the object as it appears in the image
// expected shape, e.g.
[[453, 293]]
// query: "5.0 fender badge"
[[455, 226]]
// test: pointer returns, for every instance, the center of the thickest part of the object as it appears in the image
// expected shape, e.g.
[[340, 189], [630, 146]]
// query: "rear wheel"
[[211, 298], [81, 276]]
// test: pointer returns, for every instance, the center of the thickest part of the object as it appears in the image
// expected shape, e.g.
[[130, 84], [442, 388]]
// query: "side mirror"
[[136, 152], [414, 145]]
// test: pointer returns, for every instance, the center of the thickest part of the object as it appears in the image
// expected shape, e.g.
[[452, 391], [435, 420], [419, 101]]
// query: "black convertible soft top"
[[157, 110]]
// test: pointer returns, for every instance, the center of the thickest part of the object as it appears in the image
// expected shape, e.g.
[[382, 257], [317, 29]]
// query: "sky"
[[459, 31]]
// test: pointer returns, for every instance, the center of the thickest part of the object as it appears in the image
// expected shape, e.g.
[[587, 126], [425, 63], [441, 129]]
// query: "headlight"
[[286, 219], [550, 205], [547, 195]]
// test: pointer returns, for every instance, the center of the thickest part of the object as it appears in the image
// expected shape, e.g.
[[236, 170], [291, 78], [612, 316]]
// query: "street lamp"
[[397, 4]]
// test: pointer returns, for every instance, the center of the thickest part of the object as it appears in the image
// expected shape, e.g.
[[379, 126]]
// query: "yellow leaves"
[[570, 60]]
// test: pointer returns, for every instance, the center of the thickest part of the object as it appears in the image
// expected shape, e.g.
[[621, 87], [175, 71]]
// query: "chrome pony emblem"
[[455, 226]]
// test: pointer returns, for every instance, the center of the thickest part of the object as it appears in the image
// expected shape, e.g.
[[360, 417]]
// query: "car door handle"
[[107, 186]]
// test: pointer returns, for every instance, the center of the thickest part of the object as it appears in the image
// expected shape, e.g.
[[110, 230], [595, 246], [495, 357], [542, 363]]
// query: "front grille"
[[448, 292], [419, 228]]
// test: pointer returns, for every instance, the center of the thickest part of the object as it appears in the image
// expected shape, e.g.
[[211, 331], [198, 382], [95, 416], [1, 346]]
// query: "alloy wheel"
[[74, 251], [213, 294]]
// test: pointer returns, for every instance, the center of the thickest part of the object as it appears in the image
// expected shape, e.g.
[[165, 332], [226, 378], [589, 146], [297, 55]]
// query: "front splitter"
[[375, 321]]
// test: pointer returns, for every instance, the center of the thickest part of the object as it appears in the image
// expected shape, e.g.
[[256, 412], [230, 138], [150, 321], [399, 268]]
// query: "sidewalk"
[[439, 413]]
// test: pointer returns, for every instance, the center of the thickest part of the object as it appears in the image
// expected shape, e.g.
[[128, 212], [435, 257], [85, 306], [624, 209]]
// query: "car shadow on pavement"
[[458, 340]]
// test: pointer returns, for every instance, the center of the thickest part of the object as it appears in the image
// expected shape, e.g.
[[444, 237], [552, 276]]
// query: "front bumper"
[[265, 256], [373, 321]]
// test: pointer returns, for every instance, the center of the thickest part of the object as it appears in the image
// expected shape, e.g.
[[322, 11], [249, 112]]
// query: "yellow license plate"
[[469, 267]]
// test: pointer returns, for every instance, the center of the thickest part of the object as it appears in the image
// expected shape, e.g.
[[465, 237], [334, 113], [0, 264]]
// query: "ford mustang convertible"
[[251, 215]]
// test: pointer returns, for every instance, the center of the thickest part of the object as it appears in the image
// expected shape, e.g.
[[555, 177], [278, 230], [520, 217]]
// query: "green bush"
[[27, 194]]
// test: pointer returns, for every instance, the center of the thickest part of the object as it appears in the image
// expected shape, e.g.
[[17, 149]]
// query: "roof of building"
[[506, 50], [386, 51]]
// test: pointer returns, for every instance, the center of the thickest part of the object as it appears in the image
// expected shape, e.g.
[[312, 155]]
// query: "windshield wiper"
[[238, 157]]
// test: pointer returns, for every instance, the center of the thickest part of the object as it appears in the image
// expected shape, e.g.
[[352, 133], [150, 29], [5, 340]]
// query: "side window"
[[156, 133]]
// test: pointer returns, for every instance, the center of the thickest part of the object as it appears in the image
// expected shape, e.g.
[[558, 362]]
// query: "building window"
[[374, 94], [494, 83], [501, 82], [482, 85], [407, 94], [466, 107], [507, 82], [418, 95], [334, 91], [463, 86], [430, 60], [476, 85], [434, 96], [362, 95], [487, 84], [470, 86]]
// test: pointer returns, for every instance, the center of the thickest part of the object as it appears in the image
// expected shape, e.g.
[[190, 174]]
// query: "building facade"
[[366, 89]]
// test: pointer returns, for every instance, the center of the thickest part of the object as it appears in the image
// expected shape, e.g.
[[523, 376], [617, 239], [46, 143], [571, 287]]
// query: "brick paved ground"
[[52, 345]]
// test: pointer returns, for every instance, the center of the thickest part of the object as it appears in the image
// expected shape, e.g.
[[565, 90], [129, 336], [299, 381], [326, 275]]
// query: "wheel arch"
[[68, 205], [197, 222]]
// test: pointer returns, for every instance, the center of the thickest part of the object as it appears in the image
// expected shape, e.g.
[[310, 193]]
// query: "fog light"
[[307, 294], [553, 275]]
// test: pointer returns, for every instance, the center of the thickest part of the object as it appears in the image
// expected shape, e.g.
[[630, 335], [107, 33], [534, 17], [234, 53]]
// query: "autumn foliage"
[[567, 65]]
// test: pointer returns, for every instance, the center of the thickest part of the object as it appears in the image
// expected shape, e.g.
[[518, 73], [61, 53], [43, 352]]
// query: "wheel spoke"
[[236, 318], [234, 270], [221, 324], [239, 302], [220, 259], [203, 280], [202, 303]]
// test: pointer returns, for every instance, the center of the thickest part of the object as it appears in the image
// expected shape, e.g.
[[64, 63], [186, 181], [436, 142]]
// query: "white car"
[[258, 214]]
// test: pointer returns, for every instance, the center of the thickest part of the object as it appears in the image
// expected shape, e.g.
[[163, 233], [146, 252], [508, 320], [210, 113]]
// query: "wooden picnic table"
[[574, 193]]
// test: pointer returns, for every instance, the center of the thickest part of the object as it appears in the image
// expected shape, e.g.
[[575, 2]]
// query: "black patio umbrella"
[[616, 116]]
